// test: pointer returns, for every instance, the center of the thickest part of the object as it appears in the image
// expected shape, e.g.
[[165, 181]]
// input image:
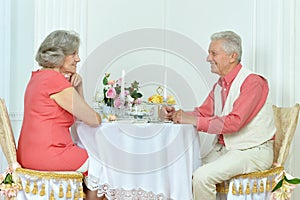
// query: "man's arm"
[[253, 95]]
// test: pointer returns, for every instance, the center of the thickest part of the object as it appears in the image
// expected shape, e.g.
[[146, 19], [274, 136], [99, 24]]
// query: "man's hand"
[[181, 117], [166, 112]]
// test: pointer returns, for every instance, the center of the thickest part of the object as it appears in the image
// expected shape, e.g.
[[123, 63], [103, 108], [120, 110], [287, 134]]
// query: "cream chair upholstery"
[[37, 184], [258, 185]]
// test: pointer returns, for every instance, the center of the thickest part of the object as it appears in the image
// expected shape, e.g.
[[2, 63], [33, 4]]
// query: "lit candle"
[[165, 85], [122, 95]]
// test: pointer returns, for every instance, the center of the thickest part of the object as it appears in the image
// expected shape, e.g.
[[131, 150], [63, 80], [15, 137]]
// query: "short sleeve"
[[56, 82]]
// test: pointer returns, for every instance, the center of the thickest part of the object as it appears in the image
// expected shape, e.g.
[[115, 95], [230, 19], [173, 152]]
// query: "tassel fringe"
[[253, 183], [51, 185], [42, 187]]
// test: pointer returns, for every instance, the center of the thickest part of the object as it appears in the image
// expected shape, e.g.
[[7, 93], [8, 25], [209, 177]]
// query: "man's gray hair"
[[55, 47], [232, 42]]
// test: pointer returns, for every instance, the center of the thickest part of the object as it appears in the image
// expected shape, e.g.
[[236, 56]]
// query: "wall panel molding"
[[52, 15], [274, 37], [5, 47], [5, 7], [274, 47]]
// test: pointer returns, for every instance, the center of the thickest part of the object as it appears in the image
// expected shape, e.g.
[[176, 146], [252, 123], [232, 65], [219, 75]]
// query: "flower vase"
[[107, 111]]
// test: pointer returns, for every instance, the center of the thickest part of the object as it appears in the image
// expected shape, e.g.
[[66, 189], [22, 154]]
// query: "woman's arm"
[[70, 100]]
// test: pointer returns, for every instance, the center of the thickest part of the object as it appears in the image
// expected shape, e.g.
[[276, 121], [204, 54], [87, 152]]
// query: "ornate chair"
[[258, 185], [35, 184]]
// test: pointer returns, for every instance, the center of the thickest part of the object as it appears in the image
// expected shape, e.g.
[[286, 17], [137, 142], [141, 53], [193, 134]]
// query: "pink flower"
[[119, 81], [111, 82], [114, 89], [117, 103], [111, 93], [138, 101]]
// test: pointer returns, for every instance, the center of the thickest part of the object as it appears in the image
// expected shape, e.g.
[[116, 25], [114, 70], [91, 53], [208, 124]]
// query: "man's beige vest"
[[260, 129]]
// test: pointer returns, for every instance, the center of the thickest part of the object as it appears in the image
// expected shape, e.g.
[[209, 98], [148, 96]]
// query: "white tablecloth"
[[141, 161]]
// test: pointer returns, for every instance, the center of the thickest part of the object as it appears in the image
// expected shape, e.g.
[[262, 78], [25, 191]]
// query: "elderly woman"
[[53, 100]]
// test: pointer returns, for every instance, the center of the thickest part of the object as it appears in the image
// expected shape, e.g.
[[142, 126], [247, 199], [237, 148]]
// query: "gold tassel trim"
[[268, 188], [60, 176], [27, 187], [222, 189], [43, 192], [34, 189], [254, 188], [261, 187], [218, 187], [76, 195], [61, 191], [226, 185], [248, 188], [51, 175], [20, 184], [241, 188], [52, 195], [81, 193], [260, 175], [254, 175], [233, 189], [69, 194]]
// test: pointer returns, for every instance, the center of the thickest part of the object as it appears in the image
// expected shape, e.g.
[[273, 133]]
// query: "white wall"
[[295, 63], [139, 35], [4, 58]]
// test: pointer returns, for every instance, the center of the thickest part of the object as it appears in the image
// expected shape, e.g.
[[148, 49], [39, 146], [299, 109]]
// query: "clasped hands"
[[169, 113]]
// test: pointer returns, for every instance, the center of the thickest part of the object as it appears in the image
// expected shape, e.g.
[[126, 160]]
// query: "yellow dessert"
[[171, 100], [156, 98]]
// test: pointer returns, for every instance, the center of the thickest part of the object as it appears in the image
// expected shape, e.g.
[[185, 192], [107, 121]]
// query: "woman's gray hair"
[[232, 42], [55, 47]]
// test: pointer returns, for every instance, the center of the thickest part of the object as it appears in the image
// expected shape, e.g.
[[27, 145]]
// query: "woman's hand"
[[76, 82]]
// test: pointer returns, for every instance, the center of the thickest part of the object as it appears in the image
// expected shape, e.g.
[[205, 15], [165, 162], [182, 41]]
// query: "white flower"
[[284, 192]]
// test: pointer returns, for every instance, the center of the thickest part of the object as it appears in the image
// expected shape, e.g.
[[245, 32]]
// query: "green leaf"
[[110, 102], [118, 89], [105, 81], [105, 98], [279, 184], [292, 181], [138, 95], [8, 179], [135, 84]]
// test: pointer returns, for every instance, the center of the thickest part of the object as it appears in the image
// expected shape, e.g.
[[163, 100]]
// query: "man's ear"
[[233, 57]]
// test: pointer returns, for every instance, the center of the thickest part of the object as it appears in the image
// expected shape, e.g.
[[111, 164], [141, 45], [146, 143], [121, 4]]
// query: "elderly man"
[[238, 111]]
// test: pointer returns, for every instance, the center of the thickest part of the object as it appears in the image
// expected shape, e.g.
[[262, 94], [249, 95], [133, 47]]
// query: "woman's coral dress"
[[45, 142]]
